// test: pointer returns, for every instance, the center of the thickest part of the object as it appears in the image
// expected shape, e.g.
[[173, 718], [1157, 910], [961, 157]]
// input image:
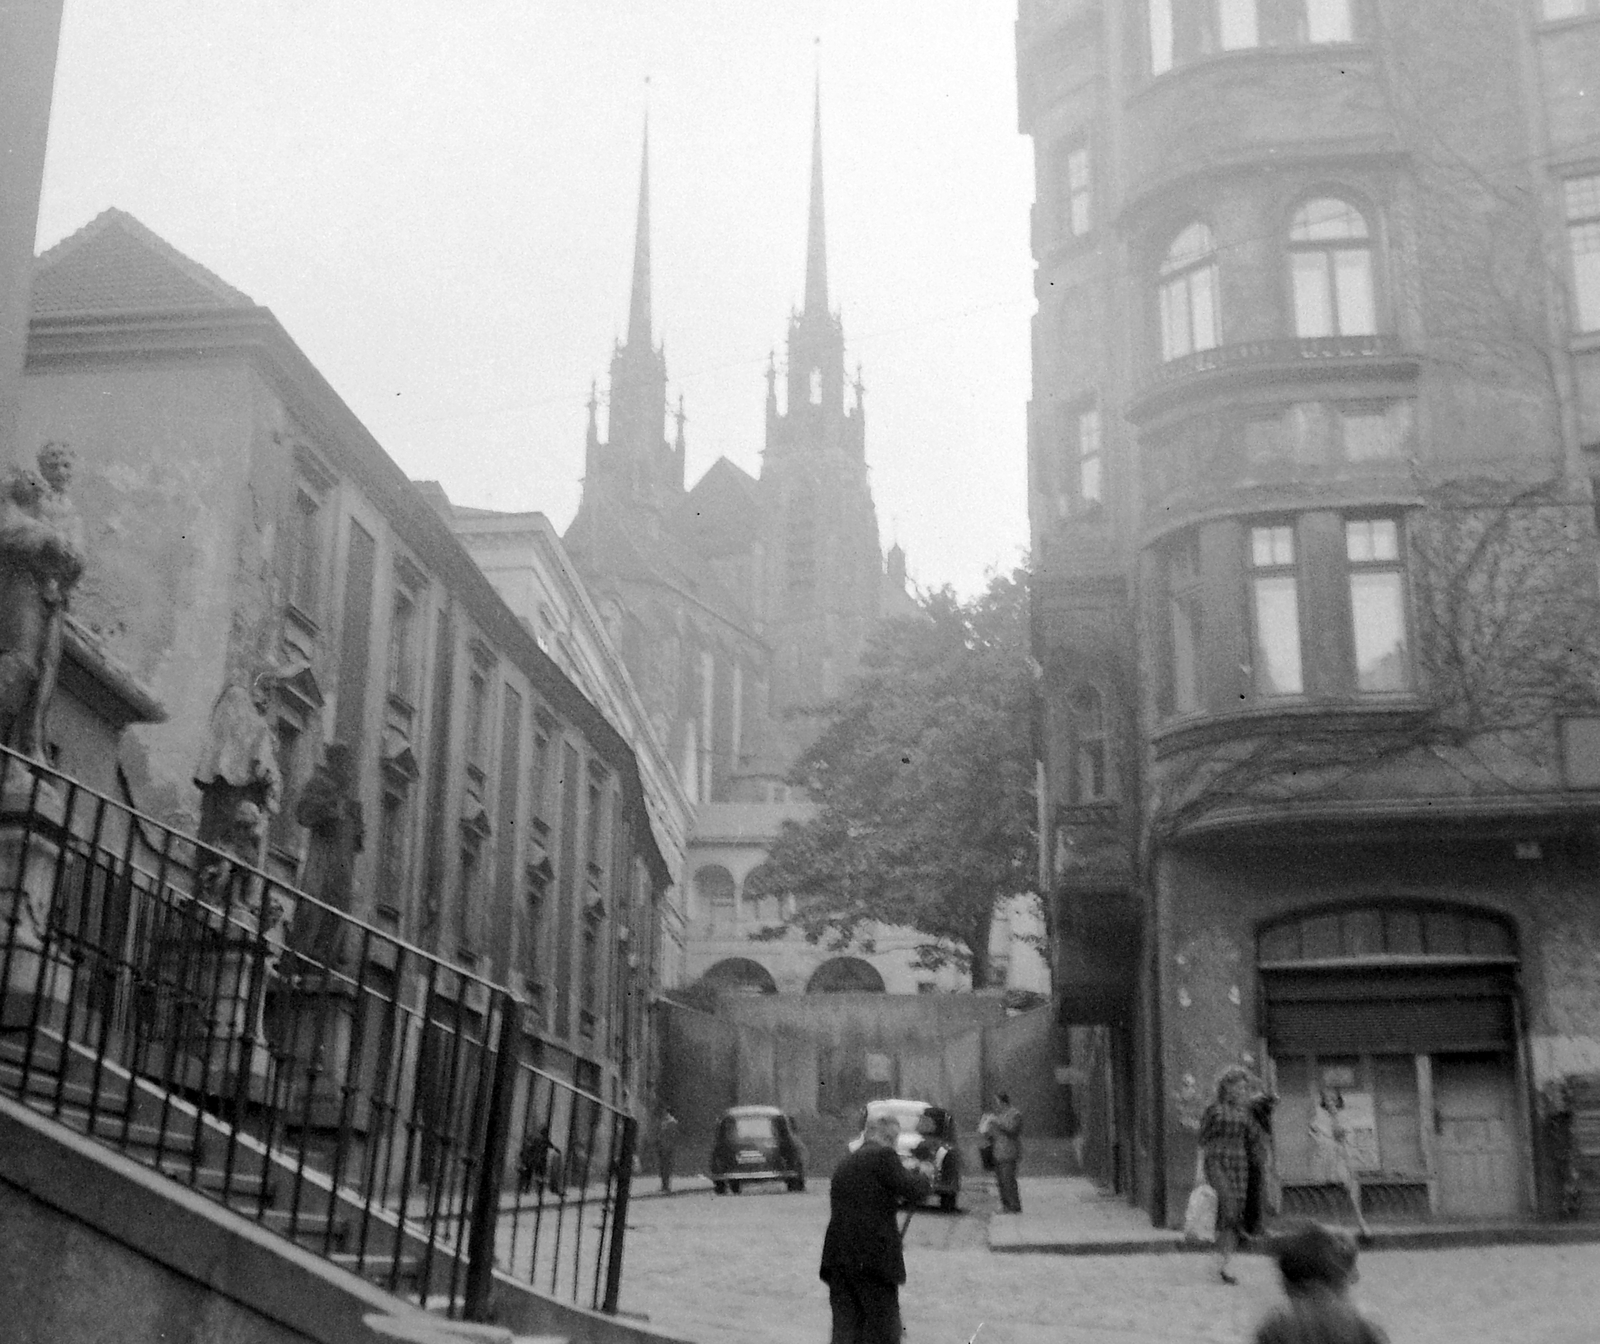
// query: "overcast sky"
[[436, 198]]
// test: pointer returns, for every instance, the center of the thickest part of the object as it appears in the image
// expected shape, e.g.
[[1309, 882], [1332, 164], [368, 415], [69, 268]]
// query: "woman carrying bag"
[[1232, 1140]]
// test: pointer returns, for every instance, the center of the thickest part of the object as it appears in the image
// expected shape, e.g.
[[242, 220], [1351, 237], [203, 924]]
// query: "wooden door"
[[1475, 1145]]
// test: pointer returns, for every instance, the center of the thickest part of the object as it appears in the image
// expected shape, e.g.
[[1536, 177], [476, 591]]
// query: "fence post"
[[492, 1162], [619, 1214]]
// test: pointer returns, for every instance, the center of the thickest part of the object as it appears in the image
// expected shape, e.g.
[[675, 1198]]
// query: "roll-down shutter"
[[1376, 1010]]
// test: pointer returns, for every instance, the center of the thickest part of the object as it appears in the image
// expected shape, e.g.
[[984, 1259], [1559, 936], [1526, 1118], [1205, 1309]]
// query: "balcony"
[[1379, 356]]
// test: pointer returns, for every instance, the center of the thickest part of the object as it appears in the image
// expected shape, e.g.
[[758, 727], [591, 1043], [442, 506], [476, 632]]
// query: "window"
[[402, 641], [1569, 9], [595, 841], [1275, 610], [1330, 267], [1075, 218], [304, 542], [1090, 758], [477, 702], [392, 851], [466, 893], [1184, 623], [1583, 238], [1377, 604], [1083, 480], [539, 783], [1328, 21], [800, 541], [1189, 294], [1159, 16], [1236, 24]]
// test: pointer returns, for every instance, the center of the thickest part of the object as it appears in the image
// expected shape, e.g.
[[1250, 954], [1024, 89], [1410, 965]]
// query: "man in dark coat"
[[862, 1263]]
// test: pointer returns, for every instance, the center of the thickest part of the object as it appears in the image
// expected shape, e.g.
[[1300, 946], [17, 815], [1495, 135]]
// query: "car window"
[[752, 1126]]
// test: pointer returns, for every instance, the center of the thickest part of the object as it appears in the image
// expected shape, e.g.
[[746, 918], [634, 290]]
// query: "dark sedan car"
[[928, 1143], [756, 1143]]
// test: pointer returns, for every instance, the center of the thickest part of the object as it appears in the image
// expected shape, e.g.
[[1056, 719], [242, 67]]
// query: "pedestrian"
[[1318, 1267], [1231, 1139], [666, 1147], [533, 1162], [1332, 1158], [862, 1261], [1005, 1128]]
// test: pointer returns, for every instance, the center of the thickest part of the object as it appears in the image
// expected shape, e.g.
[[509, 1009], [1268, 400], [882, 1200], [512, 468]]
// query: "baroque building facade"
[[1316, 401], [242, 521]]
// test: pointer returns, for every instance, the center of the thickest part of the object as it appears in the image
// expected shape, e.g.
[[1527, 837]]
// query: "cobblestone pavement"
[[743, 1270]]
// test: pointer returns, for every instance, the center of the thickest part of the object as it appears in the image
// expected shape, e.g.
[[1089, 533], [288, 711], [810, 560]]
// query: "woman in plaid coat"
[[1231, 1140]]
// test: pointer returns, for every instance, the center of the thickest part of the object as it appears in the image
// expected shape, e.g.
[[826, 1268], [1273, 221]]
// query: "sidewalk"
[[1069, 1215]]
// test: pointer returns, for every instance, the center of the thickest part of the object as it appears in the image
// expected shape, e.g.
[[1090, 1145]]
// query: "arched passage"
[[845, 975], [714, 899], [739, 975]]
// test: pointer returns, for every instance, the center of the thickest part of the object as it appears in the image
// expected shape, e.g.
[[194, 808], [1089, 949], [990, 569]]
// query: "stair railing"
[[357, 1094]]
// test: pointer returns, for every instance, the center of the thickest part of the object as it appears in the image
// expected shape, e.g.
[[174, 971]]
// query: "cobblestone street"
[[744, 1269]]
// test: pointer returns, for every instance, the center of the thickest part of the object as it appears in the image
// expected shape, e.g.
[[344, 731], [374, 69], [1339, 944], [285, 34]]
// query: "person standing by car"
[[1005, 1129], [666, 1147], [862, 1262]]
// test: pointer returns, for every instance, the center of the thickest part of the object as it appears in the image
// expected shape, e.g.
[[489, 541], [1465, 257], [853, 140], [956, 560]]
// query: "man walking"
[[1005, 1128], [666, 1147], [862, 1262]]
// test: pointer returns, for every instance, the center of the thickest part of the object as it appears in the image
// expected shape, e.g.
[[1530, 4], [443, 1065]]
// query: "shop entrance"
[[1403, 1020]]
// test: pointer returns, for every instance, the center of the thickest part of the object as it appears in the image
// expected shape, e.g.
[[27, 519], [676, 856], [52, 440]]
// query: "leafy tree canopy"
[[923, 776]]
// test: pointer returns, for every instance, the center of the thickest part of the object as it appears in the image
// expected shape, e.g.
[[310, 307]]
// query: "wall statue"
[[41, 559]]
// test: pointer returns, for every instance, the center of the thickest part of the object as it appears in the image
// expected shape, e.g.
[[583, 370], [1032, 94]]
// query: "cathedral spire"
[[816, 242], [639, 303]]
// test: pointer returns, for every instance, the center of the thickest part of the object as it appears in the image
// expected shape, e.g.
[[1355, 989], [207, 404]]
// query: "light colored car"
[[927, 1143]]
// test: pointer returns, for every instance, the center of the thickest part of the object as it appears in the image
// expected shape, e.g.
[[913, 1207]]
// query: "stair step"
[[377, 1269], [73, 1095], [308, 1228], [242, 1185]]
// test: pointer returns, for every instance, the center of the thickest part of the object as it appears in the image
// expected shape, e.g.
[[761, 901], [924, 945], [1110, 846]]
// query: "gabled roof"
[[723, 513], [113, 264]]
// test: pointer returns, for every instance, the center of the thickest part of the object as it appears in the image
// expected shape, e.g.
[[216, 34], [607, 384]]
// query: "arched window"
[[845, 975], [1091, 759], [739, 975], [1330, 270], [714, 891], [1188, 294]]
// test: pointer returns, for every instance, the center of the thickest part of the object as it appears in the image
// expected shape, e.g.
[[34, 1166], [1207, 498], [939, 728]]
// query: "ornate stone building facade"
[[1310, 449]]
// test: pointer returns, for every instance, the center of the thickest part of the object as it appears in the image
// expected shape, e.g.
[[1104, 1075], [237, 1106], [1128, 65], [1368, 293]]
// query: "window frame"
[[1257, 574], [1396, 566], [1349, 25], [306, 562], [1585, 317], [1586, 9], [1173, 276], [1090, 737], [1070, 195], [1330, 248]]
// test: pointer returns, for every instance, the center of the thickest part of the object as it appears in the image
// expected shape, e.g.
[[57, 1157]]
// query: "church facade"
[[740, 604]]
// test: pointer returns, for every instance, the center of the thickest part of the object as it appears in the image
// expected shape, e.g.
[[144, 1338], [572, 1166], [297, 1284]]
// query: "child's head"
[[1312, 1256]]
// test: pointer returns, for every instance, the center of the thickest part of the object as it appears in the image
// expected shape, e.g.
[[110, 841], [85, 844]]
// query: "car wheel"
[[947, 1201], [721, 1187], [733, 1187], [796, 1184]]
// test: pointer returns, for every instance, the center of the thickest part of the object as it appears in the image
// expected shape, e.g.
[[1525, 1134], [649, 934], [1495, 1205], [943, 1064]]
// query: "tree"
[[923, 775]]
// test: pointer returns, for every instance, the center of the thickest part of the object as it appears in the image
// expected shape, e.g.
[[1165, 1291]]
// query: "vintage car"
[[927, 1143], [756, 1143]]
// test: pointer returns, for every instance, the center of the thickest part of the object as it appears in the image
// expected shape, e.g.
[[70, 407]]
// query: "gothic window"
[[1582, 196], [1188, 294], [815, 387], [1377, 604], [800, 541], [1274, 586], [1330, 267]]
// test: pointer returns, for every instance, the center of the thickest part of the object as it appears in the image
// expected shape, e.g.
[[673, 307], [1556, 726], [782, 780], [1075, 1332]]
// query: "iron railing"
[[347, 1089]]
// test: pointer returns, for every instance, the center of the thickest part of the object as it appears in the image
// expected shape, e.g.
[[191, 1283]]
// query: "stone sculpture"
[[238, 765], [331, 811], [41, 559]]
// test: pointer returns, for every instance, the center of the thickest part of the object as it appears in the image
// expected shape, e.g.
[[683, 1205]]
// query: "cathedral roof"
[[113, 264], [723, 513]]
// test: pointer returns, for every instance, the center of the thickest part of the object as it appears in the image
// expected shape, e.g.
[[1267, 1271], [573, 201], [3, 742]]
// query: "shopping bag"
[[1200, 1217]]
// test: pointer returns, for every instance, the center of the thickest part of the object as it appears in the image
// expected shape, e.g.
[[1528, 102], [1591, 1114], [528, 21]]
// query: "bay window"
[[1330, 267], [1188, 294]]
